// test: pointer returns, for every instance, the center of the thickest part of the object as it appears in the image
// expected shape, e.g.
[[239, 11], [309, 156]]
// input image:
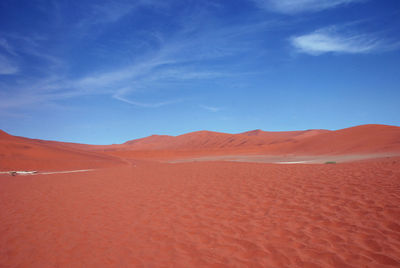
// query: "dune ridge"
[[376, 140], [364, 139]]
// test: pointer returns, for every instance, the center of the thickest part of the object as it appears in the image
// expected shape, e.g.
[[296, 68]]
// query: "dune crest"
[[18, 153], [360, 140], [365, 139]]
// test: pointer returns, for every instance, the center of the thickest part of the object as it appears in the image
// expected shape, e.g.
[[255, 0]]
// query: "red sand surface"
[[134, 213], [206, 214]]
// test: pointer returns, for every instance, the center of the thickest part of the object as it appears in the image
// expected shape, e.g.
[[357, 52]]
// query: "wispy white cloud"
[[105, 13], [332, 40], [157, 69], [18, 46], [7, 66], [298, 6], [7, 47], [192, 53], [146, 104], [211, 108]]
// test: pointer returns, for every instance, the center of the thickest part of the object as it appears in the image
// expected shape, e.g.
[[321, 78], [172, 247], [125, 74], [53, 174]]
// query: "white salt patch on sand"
[[293, 162], [27, 173], [63, 172]]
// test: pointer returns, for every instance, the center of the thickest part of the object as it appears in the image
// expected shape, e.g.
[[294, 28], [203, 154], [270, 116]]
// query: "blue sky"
[[104, 72]]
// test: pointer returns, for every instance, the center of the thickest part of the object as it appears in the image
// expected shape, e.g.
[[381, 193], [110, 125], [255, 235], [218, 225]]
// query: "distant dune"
[[16, 152], [359, 139], [365, 139]]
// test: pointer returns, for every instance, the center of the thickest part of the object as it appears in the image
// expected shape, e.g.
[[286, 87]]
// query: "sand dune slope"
[[279, 136], [210, 214], [18, 153], [199, 140], [209, 140], [365, 139], [359, 139]]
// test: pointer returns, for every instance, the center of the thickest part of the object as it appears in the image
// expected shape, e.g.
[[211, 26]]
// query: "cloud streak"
[[146, 104], [299, 6], [330, 40], [7, 66], [7, 47], [105, 13], [211, 108], [192, 53]]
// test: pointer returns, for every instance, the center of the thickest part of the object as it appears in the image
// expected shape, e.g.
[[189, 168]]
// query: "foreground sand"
[[204, 214]]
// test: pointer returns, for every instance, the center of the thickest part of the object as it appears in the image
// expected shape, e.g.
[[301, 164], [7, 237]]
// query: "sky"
[[103, 72]]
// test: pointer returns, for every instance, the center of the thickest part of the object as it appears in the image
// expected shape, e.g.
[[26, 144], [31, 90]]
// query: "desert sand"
[[138, 206]]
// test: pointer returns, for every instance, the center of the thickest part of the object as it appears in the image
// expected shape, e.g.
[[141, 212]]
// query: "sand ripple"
[[208, 214]]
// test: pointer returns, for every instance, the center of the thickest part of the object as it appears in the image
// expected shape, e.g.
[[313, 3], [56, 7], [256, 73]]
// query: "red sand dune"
[[359, 139], [365, 139], [17, 153], [284, 135], [201, 140]]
